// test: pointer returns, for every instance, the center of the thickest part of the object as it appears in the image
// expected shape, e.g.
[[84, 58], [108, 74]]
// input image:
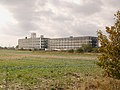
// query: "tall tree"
[[109, 60]]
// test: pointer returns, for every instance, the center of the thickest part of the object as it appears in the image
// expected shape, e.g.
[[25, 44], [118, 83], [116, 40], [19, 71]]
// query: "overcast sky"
[[54, 18]]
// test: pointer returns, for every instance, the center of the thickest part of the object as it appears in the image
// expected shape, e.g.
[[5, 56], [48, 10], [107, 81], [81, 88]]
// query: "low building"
[[56, 43], [33, 42], [71, 42]]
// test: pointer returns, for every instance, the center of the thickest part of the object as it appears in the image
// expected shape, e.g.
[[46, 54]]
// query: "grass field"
[[28, 70]]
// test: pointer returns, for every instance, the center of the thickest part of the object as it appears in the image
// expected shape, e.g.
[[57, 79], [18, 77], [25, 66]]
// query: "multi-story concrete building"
[[56, 43], [71, 42], [33, 42]]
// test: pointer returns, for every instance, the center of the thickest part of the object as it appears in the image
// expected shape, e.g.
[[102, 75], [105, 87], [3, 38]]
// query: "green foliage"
[[84, 48], [87, 47], [95, 50], [109, 59], [17, 46], [79, 50], [71, 51]]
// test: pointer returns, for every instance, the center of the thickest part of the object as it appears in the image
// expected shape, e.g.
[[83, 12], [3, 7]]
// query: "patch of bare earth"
[[19, 56]]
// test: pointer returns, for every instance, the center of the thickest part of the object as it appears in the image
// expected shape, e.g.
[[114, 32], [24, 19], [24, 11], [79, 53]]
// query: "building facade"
[[56, 43], [71, 43], [33, 42]]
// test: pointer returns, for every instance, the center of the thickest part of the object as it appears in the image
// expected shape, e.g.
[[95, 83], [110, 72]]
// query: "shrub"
[[109, 59], [71, 51], [95, 50], [87, 47], [79, 50]]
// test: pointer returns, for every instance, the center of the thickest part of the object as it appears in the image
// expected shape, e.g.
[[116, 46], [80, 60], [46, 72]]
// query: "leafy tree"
[[17, 46], [87, 47], [109, 60]]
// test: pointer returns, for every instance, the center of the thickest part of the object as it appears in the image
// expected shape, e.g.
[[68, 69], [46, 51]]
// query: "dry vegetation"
[[52, 71]]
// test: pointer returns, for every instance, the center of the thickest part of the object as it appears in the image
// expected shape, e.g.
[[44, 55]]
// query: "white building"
[[33, 42], [71, 42], [56, 43]]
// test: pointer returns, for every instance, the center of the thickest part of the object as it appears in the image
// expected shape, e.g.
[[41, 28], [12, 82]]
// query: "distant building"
[[71, 42], [33, 42], [56, 43]]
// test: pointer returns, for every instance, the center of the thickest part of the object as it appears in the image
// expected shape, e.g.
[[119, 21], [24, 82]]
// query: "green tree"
[[109, 60], [87, 47], [17, 46]]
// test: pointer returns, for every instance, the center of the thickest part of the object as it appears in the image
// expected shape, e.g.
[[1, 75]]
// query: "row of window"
[[53, 48], [54, 44], [68, 40], [75, 38]]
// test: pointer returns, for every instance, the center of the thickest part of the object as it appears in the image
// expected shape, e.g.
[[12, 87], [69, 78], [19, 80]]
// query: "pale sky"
[[54, 18]]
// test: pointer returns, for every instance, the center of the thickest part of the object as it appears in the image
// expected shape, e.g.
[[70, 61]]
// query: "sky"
[[54, 18]]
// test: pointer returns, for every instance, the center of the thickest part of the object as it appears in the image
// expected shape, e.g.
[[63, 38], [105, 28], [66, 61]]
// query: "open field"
[[28, 70]]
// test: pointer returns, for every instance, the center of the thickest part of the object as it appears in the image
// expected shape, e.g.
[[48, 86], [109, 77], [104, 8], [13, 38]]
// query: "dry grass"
[[82, 74], [73, 81]]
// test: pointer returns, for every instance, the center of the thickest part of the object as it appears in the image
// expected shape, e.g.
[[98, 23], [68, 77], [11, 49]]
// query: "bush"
[[71, 51], [109, 59], [80, 50], [87, 47], [95, 50]]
